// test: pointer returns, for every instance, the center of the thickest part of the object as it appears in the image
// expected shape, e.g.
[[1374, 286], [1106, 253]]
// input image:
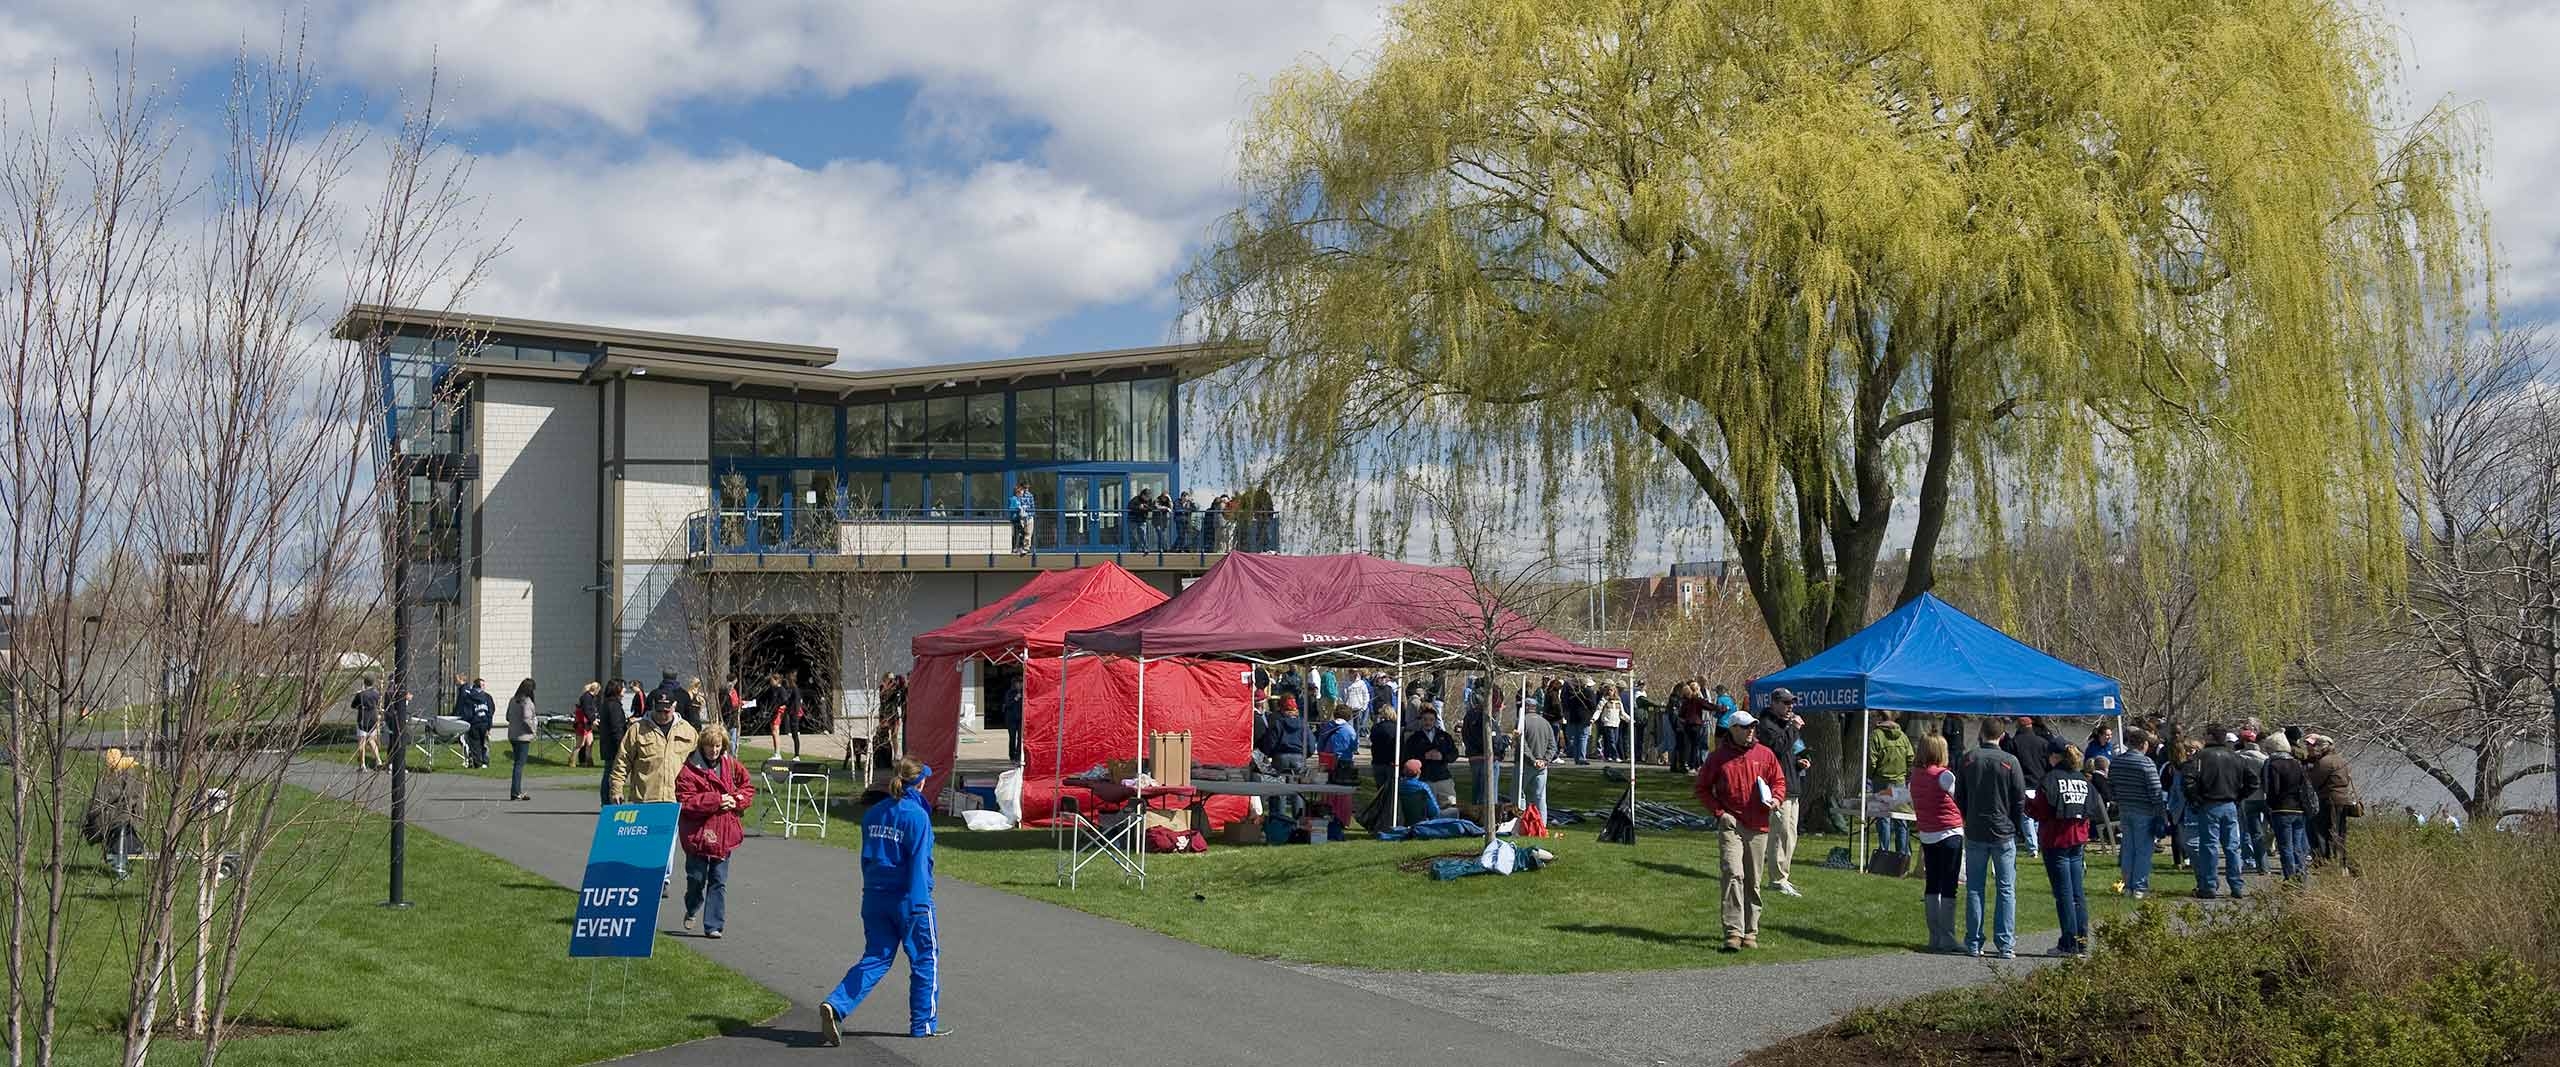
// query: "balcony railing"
[[903, 532]]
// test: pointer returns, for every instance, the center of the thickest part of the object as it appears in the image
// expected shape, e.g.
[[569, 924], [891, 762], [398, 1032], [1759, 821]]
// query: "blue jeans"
[[1999, 861], [2140, 834], [1537, 791], [2253, 823], [1484, 782], [2026, 836], [2217, 846], [516, 752], [888, 925], [2293, 843], [1892, 835], [2068, 870], [706, 891], [1577, 743]]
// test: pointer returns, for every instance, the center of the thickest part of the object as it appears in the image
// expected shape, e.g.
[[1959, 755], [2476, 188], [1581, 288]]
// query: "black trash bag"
[[1375, 815], [1620, 829]]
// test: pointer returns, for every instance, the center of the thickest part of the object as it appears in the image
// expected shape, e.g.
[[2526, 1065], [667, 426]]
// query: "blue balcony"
[[821, 537]]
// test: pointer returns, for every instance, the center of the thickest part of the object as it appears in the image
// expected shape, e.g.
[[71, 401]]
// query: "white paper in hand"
[[1762, 786]]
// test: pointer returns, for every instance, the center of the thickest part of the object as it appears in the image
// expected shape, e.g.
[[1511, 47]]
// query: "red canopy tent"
[[1209, 700], [1275, 609]]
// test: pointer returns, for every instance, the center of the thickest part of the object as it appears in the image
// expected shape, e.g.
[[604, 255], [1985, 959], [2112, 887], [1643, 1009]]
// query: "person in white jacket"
[[1612, 719]]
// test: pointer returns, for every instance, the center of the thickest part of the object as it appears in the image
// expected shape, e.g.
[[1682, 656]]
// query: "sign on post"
[[618, 900]]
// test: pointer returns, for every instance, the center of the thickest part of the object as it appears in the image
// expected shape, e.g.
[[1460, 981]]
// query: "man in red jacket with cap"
[[1740, 784]]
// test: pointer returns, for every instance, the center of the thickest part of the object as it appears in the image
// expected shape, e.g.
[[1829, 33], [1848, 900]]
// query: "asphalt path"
[[1022, 981]]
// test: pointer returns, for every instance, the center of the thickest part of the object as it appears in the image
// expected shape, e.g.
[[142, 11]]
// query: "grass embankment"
[[477, 972], [1598, 908], [2442, 951]]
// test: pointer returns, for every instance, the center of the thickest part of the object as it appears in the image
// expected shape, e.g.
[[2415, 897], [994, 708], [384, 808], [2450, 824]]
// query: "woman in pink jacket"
[[713, 789]]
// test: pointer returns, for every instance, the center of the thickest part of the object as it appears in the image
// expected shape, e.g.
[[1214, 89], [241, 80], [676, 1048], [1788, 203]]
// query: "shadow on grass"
[[1638, 933], [1681, 870], [1834, 938]]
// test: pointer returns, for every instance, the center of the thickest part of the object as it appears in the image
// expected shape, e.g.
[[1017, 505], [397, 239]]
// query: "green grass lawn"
[[1653, 905], [477, 972], [545, 758]]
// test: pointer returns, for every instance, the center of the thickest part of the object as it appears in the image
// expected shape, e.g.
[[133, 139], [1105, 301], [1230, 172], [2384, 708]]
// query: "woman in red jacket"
[[1941, 827], [712, 789], [1739, 785]]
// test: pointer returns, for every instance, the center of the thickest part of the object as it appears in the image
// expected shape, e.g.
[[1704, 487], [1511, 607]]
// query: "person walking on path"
[[1941, 825], [521, 720], [713, 790], [2136, 782], [2290, 802], [613, 722], [653, 751], [1782, 733], [1741, 786], [1991, 795], [367, 704], [2216, 780], [897, 909], [2062, 813]]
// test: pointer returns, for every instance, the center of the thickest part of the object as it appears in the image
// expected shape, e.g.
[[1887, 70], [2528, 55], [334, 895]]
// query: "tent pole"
[[1394, 785], [1627, 723], [1519, 741], [1057, 770], [1141, 762], [1866, 719]]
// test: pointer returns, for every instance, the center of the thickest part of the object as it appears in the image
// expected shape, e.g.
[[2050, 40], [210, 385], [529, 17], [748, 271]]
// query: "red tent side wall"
[[1208, 699], [933, 718]]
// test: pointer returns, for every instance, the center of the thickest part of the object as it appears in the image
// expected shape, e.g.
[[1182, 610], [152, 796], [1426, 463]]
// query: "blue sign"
[[618, 901]]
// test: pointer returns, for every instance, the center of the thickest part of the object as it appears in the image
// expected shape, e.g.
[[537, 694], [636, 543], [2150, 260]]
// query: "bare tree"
[[180, 395], [2457, 675]]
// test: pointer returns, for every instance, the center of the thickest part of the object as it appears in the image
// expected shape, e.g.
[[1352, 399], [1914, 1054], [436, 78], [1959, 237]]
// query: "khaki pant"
[[1782, 842], [1739, 851]]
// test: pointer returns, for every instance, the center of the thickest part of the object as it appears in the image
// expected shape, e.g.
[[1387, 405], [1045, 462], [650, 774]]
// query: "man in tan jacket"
[[652, 752]]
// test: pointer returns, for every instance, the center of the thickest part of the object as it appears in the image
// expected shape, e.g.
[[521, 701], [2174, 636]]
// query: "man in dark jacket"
[[1577, 704], [1991, 793], [1289, 738], [2032, 743], [1435, 748], [1484, 771], [1781, 730], [2216, 780], [2133, 782], [686, 706], [1384, 736], [472, 705], [2290, 802]]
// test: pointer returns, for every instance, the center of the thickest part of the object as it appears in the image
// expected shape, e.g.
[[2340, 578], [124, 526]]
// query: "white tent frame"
[[1125, 844]]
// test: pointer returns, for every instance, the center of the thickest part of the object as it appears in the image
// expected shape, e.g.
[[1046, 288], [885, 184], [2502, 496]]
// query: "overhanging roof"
[[363, 316]]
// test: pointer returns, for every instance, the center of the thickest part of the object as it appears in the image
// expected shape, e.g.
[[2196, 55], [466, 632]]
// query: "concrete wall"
[[666, 480], [531, 612]]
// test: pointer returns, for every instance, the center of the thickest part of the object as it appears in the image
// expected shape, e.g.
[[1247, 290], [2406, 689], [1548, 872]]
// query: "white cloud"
[[2497, 57]]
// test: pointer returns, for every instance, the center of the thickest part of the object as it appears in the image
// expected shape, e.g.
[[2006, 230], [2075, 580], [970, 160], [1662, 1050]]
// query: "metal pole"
[[1627, 722], [1865, 728], [1520, 741], [1141, 763], [1057, 769], [399, 702], [1395, 774]]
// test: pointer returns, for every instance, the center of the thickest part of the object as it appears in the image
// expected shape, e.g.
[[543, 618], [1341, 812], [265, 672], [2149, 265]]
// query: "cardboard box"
[[1169, 757], [1176, 821], [1242, 832]]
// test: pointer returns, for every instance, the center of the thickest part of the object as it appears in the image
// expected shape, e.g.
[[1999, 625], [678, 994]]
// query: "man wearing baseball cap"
[[1740, 785], [1781, 731]]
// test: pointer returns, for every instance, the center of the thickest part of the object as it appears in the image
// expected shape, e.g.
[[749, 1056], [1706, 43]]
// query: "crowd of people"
[[1159, 520]]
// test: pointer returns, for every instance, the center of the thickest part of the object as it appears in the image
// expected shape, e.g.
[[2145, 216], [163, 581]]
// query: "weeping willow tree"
[[1856, 268]]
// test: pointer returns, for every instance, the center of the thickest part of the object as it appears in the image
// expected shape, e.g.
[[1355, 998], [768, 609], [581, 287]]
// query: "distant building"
[[565, 480], [1688, 589]]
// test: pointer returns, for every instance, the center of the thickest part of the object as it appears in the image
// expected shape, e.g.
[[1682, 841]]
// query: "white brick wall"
[[538, 463], [666, 422]]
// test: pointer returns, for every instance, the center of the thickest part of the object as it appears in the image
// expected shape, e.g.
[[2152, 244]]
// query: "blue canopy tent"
[[1930, 658]]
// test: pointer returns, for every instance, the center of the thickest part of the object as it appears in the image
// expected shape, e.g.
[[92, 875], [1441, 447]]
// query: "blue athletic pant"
[[886, 925]]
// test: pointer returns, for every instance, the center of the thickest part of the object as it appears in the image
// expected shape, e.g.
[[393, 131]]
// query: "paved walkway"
[[1023, 981], [1027, 981]]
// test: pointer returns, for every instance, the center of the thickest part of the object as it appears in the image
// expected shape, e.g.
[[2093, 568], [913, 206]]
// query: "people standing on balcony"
[[1024, 507], [1186, 523], [1141, 507], [1160, 516], [1266, 522], [1213, 524]]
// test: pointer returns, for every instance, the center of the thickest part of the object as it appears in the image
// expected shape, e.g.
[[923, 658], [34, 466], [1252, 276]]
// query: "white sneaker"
[[1788, 889]]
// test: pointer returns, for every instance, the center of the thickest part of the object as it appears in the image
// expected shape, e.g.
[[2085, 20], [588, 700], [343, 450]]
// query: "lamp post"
[[169, 564]]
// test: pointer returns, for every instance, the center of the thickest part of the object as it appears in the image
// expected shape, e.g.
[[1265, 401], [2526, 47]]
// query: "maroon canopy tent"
[[1276, 609]]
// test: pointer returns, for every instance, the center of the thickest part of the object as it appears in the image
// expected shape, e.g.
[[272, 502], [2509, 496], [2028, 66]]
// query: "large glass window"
[[1111, 420], [986, 426], [774, 428], [947, 489], [1035, 433], [1151, 420], [817, 431], [906, 429], [986, 494], [733, 425], [866, 435], [946, 432], [1075, 422], [906, 492]]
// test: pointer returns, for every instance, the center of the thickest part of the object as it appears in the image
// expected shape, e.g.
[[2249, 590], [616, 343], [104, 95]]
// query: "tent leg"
[[1395, 774], [1865, 731], [1058, 773], [1519, 747], [1627, 723], [1141, 762]]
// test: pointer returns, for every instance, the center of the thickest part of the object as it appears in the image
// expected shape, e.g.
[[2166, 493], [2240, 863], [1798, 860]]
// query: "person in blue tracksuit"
[[897, 908]]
